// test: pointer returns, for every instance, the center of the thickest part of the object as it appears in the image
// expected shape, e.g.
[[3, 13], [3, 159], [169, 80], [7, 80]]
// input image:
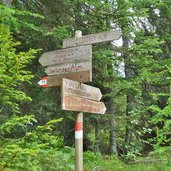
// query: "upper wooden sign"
[[74, 88], [78, 54], [92, 38]]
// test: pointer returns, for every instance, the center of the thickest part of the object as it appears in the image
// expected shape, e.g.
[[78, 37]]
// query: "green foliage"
[[137, 94], [12, 17], [59, 33], [14, 123], [13, 71], [42, 159], [34, 147], [162, 118], [24, 144], [96, 161]]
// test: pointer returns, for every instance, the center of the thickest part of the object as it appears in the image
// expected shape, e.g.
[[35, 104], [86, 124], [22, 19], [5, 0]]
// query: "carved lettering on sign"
[[73, 67], [77, 92], [83, 105], [75, 88], [75, 54], [92, 38], [68, 68]]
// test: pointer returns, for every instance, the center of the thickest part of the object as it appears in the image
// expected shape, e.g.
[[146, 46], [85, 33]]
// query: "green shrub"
[[97, 161]]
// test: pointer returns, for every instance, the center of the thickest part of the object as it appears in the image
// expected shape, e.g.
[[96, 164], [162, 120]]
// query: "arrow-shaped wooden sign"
[[75, 54], [81, 97], [92, 38], [68, 68], [74, 88], [83, 105], [56, 80]]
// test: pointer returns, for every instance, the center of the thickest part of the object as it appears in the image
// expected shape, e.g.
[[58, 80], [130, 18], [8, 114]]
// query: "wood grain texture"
[[74, 88], [80, 53], [56, 80], [68, 68], [83, 105], [92, 38]]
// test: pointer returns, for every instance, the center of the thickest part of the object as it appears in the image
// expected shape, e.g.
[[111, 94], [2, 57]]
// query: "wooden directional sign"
[[76, 97], [75, 54], [74, 88], [68, 68], [56, 80], [92, 38], [83, 105]]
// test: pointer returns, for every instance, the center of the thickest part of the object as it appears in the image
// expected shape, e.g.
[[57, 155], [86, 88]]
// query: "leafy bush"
[[36, 149], [96, 161]]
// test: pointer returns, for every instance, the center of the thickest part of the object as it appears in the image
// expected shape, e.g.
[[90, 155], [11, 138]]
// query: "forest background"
[[134, 77]]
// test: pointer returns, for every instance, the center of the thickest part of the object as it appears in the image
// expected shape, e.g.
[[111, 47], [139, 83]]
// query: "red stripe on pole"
[[78, 126]]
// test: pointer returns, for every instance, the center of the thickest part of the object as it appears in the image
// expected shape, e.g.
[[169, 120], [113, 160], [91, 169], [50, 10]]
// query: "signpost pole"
[[79, 142], [79, 133]]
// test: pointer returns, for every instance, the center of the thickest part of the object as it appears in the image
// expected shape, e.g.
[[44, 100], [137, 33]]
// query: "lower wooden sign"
[[83, 105], [56, 80]]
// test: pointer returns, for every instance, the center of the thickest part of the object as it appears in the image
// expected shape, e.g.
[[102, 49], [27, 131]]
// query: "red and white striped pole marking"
[[79, 142], [78, 130]]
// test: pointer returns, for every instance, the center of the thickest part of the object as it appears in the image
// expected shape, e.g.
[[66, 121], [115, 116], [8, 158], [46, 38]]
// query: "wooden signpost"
[[92, 38], [74, 88], [56, 80], [72, 67], [75, 63], [75, 54], [73, 103], [81, 97]]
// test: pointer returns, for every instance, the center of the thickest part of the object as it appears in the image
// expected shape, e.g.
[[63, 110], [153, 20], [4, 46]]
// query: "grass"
[[97, 162]]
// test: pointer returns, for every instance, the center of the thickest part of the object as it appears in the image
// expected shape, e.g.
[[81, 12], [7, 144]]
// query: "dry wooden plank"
[[83, 105], [92, 38], [68, 68], [75, 88], [56, 80], [80, 53]]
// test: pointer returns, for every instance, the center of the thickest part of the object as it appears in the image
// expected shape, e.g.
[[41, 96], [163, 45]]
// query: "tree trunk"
[[128, 73], [96, 127], [111, 110], [113, 143]]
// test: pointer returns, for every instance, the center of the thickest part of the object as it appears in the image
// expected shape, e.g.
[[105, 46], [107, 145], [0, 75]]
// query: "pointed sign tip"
[[43, 82]]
